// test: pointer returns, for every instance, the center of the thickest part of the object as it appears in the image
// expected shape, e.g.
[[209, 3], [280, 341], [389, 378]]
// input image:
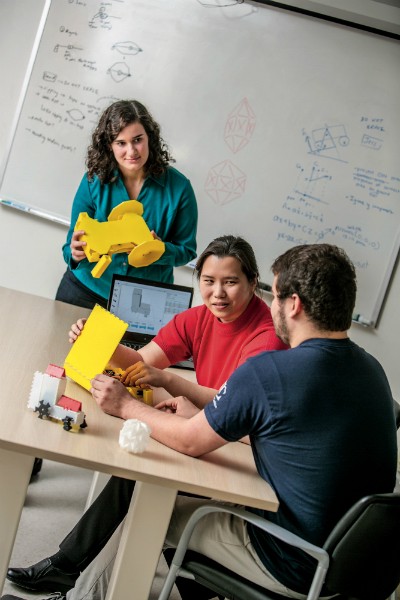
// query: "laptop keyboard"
[[132, 345]]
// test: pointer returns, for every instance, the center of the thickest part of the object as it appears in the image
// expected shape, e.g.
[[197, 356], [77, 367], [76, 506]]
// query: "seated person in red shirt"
[[232, 325]]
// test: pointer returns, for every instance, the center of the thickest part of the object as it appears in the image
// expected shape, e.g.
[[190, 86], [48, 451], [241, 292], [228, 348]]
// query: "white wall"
[[31, 247]]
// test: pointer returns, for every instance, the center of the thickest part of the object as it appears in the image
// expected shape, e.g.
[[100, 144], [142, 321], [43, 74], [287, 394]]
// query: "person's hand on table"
[[110, 394], [77, 245], [76, 330], [180, 406], [142, 374]]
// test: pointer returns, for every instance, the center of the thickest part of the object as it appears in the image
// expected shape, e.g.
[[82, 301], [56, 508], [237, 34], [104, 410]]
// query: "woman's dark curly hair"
[[100, 159]]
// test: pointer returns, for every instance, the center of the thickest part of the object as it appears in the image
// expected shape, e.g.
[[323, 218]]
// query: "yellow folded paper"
[[94, 347]]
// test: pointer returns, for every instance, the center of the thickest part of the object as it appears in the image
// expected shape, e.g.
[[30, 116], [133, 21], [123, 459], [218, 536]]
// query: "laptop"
[[147, 306]]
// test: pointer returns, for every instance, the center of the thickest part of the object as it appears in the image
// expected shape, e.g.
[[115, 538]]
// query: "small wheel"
[[146, 253], [43, 409], [67, 423]]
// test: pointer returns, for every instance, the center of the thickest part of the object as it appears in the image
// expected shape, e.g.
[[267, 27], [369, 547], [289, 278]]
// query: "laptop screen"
[[146, 305]]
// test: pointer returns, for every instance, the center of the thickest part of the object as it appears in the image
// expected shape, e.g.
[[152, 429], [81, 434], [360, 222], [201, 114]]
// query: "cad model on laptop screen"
[[146, 306]]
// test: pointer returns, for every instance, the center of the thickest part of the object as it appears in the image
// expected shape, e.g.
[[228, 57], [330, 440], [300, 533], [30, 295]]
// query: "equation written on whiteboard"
[[337, 202], [316, 211]]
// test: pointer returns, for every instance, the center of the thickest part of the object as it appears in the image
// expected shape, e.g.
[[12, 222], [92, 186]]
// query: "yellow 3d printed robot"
[[125, 231]]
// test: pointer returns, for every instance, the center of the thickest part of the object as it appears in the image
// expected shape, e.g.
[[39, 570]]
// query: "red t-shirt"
[[218, 348]]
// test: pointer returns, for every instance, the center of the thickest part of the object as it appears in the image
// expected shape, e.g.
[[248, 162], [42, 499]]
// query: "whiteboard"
[[287, 126]]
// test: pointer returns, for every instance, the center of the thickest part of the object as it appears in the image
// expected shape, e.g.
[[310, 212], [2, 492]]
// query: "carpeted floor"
[[55, 501]]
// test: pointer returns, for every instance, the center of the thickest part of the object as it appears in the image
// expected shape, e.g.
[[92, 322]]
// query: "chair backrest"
[[365, 549], [397, 413]]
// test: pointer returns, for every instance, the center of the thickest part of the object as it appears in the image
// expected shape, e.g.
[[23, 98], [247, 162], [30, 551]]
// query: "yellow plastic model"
[[125, 231], [144, 394], [94, 347]]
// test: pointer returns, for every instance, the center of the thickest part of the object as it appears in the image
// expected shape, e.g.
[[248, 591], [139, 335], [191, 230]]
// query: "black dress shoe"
[[43, 577]]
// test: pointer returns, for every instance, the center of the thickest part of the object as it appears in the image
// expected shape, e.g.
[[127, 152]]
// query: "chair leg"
[[169, 582]]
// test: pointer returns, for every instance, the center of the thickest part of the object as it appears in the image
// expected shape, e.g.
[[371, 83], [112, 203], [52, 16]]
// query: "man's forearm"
[[193, 436], [179, 386]]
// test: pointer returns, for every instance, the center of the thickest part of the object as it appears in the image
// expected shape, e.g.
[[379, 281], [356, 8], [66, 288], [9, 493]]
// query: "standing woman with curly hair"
[[128, 160]]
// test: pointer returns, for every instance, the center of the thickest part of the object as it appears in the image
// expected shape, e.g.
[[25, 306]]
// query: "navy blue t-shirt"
[[321, 424]]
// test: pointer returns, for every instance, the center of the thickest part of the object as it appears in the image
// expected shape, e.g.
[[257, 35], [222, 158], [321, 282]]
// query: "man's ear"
[[295, 305]]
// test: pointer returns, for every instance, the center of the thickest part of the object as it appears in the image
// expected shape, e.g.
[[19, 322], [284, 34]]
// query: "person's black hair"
[[324, 278], [237, 247]]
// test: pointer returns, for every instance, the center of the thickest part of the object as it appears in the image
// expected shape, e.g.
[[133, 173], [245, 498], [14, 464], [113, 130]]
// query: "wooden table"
[[33, 334]]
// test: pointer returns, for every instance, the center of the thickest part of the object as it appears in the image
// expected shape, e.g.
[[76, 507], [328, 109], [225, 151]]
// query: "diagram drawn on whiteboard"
[[126, 48], [69, 50], [75, 114], [225, 182], [311, 182], [240, 126], [102, 19], [119, 71], [327, 141]]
